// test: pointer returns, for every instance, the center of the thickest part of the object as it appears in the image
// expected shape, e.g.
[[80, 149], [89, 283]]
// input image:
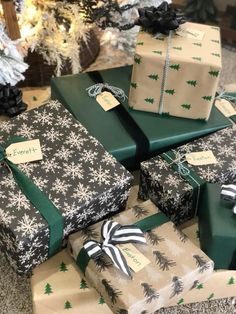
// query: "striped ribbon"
[[228, 192], [113, 233]]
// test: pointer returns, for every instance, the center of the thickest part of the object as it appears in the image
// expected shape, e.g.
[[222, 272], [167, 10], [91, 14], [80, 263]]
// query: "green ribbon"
[[39, 200], [186, 173], [145, 225]]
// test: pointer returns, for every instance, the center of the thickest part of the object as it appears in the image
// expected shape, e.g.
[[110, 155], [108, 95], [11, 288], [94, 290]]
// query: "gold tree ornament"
[[10, 17]]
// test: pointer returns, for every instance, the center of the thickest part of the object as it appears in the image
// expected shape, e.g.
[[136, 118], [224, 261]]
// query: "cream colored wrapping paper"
[[192, 74], [58, 287], [175, 265]]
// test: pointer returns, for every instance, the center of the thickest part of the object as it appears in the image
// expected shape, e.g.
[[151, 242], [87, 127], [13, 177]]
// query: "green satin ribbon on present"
[[146, 224], [38, 199], [187, 174]]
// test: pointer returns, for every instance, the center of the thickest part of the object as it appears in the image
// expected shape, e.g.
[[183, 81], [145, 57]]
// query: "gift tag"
[[135, 259], [191, 33], [201, 158], [225, 107], [107, 101], [25, 151]]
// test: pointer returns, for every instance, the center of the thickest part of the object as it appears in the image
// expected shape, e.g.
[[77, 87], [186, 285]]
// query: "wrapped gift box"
[[188, 89], [217, 225], [163, 132], [171, 192], [82, 180], [174, 264], [57, 286]]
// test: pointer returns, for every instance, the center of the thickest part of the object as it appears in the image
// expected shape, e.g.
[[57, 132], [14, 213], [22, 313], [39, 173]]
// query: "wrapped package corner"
[[82, 181], [172, 193], [192, 72], [175, 264]]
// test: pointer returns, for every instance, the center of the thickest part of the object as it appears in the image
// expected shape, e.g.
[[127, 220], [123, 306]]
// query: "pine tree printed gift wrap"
[[57, 287], [82, 180], [175, 264], [191, 81], [171, 192]]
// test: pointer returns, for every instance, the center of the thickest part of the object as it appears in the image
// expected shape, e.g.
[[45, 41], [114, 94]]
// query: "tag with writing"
[[25, 151], [201, 158], [225, 107], [191, 33], [135, 259], [107, 101]]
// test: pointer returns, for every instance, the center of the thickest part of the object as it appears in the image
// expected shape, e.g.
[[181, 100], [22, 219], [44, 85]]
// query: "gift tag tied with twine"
[[201, 158]]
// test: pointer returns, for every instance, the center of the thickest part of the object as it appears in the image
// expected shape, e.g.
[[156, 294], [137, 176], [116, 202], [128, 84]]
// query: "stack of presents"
[[64, 182]]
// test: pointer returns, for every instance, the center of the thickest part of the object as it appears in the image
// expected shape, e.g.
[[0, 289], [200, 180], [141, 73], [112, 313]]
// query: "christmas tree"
[[83, 284], [111, 291], [63, 267], [48, 289], [67, 305], [101, 300], [150, 293]]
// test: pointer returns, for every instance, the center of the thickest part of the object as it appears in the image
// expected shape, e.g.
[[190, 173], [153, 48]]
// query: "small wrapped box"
[[169, 263], [41, 202], [177, 194], [217, 225], [57, 286], [177, 75]]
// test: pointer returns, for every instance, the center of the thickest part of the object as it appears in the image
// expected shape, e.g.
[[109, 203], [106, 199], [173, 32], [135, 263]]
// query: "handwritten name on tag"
[[225, 107], [201, 158], [107, 101], [191, 33], [135, 259], [26, 151]]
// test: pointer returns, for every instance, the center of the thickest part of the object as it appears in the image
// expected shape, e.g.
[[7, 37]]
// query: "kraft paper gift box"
[[188, 85], [57, 286], [174, 264], [75, 184], [217, 225], [162, 132], [176, 195]]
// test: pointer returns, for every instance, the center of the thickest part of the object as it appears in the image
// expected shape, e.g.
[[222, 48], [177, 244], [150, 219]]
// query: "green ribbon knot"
[[37, 198]]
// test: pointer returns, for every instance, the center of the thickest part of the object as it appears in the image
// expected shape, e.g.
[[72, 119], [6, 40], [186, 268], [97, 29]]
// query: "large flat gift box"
[[177, 74], [217, 225], [177, 194], [171, 267], [162, 132], [75, 184]]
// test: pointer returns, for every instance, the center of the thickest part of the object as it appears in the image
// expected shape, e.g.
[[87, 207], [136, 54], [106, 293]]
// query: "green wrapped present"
[[217, 226], [162, 132]]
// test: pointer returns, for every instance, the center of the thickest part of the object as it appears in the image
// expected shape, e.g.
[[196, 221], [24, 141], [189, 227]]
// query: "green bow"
[[38, 199]]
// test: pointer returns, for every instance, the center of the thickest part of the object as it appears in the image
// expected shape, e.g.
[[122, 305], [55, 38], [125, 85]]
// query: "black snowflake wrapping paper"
[[82, 180], [174, 195], [176, 266]]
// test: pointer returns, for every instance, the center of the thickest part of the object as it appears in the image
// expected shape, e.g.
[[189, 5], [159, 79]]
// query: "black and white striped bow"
[[113, 233], [228, 192]]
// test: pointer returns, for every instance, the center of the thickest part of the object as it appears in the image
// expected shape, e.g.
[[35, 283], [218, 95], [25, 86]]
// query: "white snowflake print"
[[55, 105], [44, 117], [28, 168], [105, 197], [204, 146], [83, 193], [89, 156], [18, 201], [40, 182], [108, 159], [9, 243], [75, 140], [60, 186], [173, 180], [121, 180], [28, 226], [64, 153], [68, 229], [100, 175], [73, 170], [232, 166], [226, 151], [70, 210], [7, 182], [64, 122], [30, 132], [51, 165], [6, 126], [216, 138], [27, 256], [162, 164], [53, 135], [208, 174], [6, 218]]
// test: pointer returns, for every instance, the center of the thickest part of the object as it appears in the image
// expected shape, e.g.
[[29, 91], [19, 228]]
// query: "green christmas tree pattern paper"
[[192, 75], [58, 287]]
